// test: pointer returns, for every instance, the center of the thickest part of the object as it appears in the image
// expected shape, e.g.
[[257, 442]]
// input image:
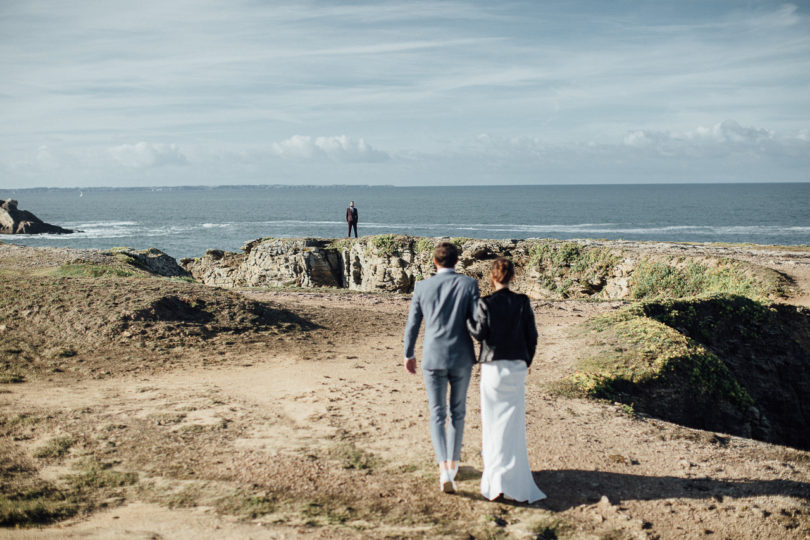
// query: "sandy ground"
[[330, 426]]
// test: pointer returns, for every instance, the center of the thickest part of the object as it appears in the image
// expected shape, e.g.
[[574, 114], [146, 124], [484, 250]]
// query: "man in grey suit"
[[445, 301]]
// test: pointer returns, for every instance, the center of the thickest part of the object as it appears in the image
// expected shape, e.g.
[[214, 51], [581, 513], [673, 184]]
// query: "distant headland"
[[16, 221]]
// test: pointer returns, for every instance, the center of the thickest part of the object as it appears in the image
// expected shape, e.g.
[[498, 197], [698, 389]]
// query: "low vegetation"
[[725, 362], [656, 280], [424, 245], [632, 350], [388, 244], [570, 270], [566, 266], [56, 447], [27, 500], [96, 271]]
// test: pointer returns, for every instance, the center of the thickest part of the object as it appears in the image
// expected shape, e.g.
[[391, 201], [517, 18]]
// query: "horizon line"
[[225, 186]]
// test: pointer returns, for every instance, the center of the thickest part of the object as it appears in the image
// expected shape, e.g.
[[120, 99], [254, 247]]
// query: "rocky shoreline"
[[546, 269]]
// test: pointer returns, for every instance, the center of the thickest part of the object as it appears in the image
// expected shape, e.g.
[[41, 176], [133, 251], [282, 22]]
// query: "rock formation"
[[15, 221], [153, 261], [545, 269]]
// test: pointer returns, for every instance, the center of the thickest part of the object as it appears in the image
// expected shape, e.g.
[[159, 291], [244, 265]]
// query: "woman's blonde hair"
[[502, 270]]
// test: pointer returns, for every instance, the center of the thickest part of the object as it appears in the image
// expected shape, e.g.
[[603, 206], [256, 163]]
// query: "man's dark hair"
[[446, 254]]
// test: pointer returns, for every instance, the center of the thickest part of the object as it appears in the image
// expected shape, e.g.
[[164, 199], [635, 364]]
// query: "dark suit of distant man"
[[351, 218]]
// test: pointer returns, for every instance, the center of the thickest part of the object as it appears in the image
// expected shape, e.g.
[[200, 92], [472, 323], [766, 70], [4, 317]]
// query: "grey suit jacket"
[[445, 301]]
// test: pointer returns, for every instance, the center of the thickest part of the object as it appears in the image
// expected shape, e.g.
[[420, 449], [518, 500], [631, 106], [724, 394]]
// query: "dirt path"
[[334, 432]]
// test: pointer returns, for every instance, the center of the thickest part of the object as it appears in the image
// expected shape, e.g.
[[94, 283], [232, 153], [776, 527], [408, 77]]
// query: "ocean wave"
[[103, 224], [603, 228]]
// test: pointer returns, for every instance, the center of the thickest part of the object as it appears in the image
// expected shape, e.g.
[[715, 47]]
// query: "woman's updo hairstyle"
[[502, 270]]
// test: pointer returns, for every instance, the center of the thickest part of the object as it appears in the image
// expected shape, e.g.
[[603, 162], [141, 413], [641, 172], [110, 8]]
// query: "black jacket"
[[505, 327]]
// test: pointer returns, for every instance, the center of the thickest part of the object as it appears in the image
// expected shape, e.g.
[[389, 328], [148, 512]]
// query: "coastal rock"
[[16, 221], [154, 261], [544, 269]]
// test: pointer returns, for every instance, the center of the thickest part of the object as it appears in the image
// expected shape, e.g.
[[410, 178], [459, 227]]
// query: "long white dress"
[[503, 425]]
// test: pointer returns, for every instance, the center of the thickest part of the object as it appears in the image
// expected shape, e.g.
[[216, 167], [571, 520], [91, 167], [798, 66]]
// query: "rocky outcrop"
[[545, 269], [153, 261], [388, 263], [16, 221]]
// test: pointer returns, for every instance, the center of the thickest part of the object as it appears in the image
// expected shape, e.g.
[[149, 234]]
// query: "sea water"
[[185, 222]]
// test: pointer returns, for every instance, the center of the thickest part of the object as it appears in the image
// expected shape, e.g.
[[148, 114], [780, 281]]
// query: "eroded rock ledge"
[[544, 268]]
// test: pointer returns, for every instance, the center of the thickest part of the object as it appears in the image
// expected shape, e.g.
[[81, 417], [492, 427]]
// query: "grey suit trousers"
[[447, 443]]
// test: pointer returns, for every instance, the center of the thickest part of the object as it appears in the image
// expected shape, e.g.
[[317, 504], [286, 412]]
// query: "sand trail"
[[265, 416]]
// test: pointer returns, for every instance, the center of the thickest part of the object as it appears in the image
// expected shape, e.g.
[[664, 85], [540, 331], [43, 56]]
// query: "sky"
[[197, 92]]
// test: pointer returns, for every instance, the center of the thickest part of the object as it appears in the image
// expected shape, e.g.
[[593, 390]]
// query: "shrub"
[[564, 264], [385, 244], [653, 280]]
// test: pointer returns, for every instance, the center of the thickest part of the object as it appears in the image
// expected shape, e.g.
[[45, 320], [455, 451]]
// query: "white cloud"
[[549, 85], [336, 148], [144, 155], [727, 136], [731, 132]]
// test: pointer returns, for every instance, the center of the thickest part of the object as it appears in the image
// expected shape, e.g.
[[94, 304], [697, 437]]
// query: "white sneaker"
[[453, 473], [446, 483]]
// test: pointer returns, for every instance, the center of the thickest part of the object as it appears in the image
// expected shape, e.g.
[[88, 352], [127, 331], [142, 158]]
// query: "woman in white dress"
[[506, 329]]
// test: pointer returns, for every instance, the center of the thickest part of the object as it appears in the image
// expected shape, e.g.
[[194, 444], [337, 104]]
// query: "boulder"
[[153, 261], [16, 221]]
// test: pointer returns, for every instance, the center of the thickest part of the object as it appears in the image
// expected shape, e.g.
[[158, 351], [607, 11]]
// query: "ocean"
[[187, 221]]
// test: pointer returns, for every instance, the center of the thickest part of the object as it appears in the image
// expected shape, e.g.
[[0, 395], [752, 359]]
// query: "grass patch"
[[632, 350], [652, 280], [723, 363], [460, 240], [93, 271], [11, 378], [424, 245], [328, 513], [247, 504], [22, 419], [94, 475], [567, 266], [385, 244], [187, 497], [351, 457], [343, 244], [56, 447], [35, 505], [26, 500]]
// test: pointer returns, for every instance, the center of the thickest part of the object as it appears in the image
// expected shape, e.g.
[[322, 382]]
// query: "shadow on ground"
[[569, 488]]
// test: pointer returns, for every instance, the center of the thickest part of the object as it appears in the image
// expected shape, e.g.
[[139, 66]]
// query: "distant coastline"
[[203, 187]]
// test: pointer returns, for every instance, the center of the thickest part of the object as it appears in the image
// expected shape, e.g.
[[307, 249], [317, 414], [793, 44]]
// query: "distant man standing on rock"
[[351, 219], [445, 301]]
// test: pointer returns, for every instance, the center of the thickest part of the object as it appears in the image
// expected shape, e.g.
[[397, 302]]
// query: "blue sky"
[[122, 93]]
